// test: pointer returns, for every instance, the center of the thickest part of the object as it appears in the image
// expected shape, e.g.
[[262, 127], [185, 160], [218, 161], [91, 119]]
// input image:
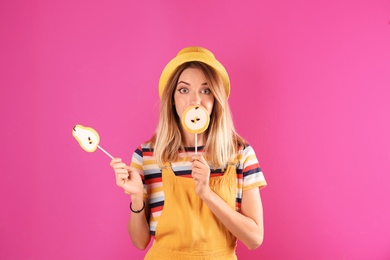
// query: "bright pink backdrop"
[[310, 91]]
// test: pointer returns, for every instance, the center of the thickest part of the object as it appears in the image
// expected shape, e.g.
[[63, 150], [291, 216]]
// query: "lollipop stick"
[[196, 143], [104, 151]]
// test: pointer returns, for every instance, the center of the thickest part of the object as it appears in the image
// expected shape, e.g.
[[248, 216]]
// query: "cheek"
[[209, 105], [176, 105], [179, 108], [178, 111]]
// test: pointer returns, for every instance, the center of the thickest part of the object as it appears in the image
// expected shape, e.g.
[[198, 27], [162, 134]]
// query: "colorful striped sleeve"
[[252, 175], [137, 162], [143, 160]]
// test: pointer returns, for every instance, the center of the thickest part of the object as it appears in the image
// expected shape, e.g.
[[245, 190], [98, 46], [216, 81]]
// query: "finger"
[[198, 166], [134, 174], [197, 174], [195, 157], [120, 171], [114, 161], [121, 179], [122, 174], [198, 157], [196, 163], [199, 160], [120, 182], [202, 160], [119, 165]]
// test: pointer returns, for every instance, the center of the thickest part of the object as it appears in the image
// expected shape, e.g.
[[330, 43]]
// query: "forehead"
[[192, 74]]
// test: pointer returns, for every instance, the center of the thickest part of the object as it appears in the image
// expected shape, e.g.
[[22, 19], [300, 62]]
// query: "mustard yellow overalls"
[[187, 229]]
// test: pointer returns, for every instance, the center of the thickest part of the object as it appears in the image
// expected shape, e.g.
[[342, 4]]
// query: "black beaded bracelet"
[[137, 211]]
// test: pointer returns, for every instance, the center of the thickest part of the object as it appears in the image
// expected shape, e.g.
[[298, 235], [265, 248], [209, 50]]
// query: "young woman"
[[195, 205]]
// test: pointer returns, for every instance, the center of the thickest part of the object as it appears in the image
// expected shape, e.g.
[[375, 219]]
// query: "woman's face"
[[192, 89]]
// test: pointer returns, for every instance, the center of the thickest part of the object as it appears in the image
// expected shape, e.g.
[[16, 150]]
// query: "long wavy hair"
[[222, 141]]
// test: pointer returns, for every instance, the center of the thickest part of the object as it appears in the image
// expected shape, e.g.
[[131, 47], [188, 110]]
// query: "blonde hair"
[[222, 141]]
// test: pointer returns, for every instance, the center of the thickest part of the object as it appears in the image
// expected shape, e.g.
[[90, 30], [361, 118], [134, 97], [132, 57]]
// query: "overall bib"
[[187, 229]]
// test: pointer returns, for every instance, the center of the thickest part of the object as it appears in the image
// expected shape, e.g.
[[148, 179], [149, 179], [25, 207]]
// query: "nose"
[[194, 98]]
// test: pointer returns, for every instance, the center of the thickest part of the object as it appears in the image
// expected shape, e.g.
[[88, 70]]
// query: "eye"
[[206, 91], [183, 90]]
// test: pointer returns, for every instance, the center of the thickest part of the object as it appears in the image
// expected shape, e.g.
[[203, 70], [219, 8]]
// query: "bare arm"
[[247, 226], [130, 181], [138, 226]]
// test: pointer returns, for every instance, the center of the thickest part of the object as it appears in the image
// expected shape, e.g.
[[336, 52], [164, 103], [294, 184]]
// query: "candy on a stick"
[[88, 138], [195, 120]]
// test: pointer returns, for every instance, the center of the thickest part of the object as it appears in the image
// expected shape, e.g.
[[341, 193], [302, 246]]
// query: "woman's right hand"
[[127, 178]]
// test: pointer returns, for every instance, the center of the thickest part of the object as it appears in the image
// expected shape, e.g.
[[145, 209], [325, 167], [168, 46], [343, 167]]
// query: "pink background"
[[310, 91]]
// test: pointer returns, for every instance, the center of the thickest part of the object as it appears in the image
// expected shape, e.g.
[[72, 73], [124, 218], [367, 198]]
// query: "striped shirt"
[[249, 175]]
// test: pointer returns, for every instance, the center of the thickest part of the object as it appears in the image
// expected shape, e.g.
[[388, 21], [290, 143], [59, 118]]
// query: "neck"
[[190, 140]]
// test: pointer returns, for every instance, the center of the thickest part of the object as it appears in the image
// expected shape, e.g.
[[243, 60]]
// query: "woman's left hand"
[[200, 174]]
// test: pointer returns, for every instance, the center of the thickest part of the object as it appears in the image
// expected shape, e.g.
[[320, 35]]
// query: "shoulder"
[[143, 151], [247, 159], [245, 150], [144, 147], [143, 159]]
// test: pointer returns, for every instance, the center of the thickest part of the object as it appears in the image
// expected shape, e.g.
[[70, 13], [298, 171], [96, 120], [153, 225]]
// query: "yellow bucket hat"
[[193, 53]]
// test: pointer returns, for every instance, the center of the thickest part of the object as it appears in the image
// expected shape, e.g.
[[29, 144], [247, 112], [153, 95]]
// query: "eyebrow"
[[186, 83]]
